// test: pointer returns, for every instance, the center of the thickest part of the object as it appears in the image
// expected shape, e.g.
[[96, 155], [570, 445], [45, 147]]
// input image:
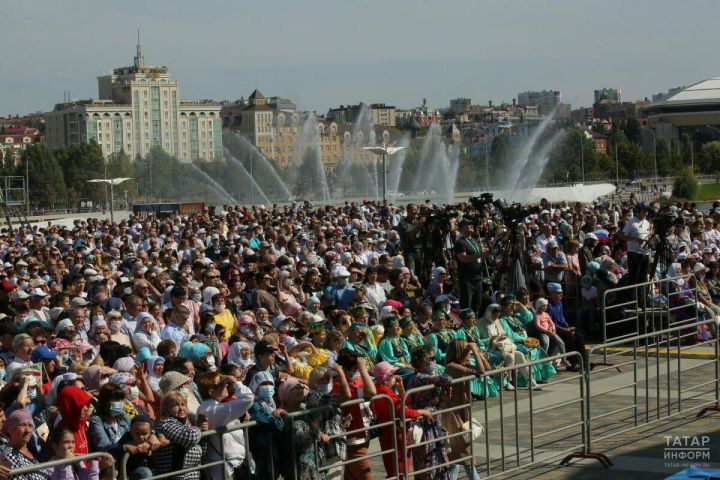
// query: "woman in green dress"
[[357, 342], [470, 333], [410, 333], [393, 349], [440, 335], [515, 331]]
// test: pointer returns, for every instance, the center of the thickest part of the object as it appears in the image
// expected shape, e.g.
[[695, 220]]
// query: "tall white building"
[[138, 108]]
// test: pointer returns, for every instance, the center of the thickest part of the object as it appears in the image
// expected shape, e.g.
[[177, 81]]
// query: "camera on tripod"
[[662, 222]]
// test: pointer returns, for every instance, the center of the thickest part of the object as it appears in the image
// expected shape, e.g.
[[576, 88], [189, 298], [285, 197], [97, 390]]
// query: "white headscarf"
[[234, 356]]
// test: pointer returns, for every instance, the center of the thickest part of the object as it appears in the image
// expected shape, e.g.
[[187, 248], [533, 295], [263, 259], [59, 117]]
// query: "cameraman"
[[409, 230], [469, 255]]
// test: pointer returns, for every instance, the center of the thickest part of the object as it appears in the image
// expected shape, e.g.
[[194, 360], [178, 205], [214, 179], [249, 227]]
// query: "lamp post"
[[384, 152], [112, 182]]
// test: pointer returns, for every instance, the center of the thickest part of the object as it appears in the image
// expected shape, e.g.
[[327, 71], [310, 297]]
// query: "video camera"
[[662, 222]]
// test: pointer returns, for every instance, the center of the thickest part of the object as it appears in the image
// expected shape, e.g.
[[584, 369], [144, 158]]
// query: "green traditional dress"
[[514, 330], [413, 340], [370, 354], [394, 350], [477, 387], [440, 340]]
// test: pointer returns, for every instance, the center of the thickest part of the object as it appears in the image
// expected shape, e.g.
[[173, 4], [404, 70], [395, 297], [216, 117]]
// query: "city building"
[[460, 105], [15, 138], [381, 114], [275, 128], [138, 108], [686, 110], [540, 98], [609, 94]]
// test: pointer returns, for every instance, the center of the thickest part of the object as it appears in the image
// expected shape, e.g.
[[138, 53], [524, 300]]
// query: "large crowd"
[[134, 338]]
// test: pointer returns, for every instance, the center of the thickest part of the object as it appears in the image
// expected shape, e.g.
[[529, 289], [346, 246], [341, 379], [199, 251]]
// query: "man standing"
[[410, 241], [469, 254], [636, 232]]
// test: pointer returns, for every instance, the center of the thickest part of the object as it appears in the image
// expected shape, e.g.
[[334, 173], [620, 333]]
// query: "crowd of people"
[[135, 338]]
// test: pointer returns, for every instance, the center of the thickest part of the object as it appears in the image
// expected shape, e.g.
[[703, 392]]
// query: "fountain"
[[261, 169], [254, 188], [395, 168], [438, 166], [219, 190], [520, 165], [365, 181], [309, 144]]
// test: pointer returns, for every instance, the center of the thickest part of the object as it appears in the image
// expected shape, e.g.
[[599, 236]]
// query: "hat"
[[245, 320], [465, 313], [18, 417], [20, 295], [263, 347], [390, 321], [554, 288], [79, 302], [43, 353], [63, 324], [357, 310], [286, 387], [142, 355], [552, 244], [507, 300], [356, 326], [394, 304], [591, 236], [124, 364], [34, 321], [38, 292], [700, 267], [172, 381], [383, 370], [122, 378], [465, 221], [593, 267], [278, 320], [586, 280], [263, 376], [540, 302], [60, 343]]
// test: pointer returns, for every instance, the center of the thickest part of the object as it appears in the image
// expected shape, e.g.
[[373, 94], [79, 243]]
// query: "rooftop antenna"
[[139, 60]]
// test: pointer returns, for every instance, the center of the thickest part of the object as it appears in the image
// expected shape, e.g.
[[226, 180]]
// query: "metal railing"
[[645, 307], [662, 352], [58, 463]]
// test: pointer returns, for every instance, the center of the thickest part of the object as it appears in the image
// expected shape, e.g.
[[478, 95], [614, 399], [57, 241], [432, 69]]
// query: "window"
[[145, 95]]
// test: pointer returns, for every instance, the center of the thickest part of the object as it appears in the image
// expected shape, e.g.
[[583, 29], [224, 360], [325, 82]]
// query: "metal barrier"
[[57, 463], [637, 309], [638, 356], [404, 423]]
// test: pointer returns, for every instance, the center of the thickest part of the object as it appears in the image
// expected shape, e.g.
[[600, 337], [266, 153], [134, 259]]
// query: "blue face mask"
[[344, 282], [324, 388], [66, 358], [266, 392], [2, 373], [116, 408]]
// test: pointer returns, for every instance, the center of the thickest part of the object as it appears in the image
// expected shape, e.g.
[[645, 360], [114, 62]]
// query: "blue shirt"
[[555, 310], [339, 296]]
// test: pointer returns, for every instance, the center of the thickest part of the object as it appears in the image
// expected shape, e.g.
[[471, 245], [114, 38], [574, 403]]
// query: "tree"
[[120, 166], [709, 160], [685, 185], [46, 180], [79, 164]]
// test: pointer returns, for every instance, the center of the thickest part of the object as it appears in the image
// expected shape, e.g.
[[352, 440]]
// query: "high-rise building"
[[541, 98], [138, 108], [609, 94], [460, 105]]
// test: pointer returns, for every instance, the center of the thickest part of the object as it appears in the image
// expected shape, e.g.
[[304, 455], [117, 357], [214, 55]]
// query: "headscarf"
[[51, 396], [140, 317], [198, 352], [70, 403], [91, 377], [18, 417], [153, 379], [487, 316], [234, 356], [124, 364], [93, 328]]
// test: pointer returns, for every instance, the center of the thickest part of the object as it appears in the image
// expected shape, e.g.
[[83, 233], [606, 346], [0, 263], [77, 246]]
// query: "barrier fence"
[[523, 427]]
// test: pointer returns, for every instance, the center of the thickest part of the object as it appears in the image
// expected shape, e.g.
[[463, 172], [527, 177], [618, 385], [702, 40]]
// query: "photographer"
[[409, 230], [469, 254]]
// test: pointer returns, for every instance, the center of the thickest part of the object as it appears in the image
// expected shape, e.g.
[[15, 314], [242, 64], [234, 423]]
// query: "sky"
[[326, 53]]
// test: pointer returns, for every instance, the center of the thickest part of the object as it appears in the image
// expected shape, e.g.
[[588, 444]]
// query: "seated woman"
[[492, 332], [440, 335], [410, 333], [357, 342], [485, 361], [432, 454], [18, 429], [393, 349], [515, 331]]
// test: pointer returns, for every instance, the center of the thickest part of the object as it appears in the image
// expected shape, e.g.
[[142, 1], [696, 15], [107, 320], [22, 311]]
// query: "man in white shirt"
[[636, 232]]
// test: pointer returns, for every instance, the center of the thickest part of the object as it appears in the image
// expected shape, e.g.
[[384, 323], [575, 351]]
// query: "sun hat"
[[383, 370]]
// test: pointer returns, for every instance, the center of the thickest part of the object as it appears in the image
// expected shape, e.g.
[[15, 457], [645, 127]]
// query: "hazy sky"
[[324, 53]]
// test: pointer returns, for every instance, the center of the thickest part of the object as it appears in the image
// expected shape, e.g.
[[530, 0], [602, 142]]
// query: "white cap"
[[38, 292]]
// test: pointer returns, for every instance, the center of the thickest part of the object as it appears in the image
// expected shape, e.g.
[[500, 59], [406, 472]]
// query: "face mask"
[[188, 271], [116, 325], [324, 388], [210, 361], [133, 393], [700, 276], [97, 318], [32, 393], [2, 373], [210, 327], [66, 358], [287, 282], [247, 331], [219, 307], [103, 381], [297, 250], [174, 266], [303, 270], [13, 281], [116, 408], [266, 392], [24, 285], [344, 282], [23, 272], [185, 391], [196, 297]]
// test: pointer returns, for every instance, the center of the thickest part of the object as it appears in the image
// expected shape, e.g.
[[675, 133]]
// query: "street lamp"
[[384, 151], [654, 148], [112, 182]]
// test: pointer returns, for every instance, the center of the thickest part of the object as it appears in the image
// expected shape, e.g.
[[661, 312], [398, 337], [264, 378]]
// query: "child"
[[139, 442], [588, 314], [264, 437], [63, 443]]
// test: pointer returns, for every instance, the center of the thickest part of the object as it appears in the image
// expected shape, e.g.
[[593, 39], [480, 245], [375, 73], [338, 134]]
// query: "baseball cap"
[[43, 353]]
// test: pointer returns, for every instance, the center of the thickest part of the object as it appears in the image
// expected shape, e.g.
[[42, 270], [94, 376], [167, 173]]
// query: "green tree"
[[46, 180], [709, 160], [79, 164], [120, 166], [685, 185]]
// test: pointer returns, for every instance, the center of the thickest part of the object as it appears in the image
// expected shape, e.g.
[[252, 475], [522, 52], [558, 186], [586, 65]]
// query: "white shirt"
[[637, 228]]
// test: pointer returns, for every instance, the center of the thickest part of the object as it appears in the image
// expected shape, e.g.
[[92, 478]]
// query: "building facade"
[[539, 98], [380, 113], [609, 94], [138, 108]]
